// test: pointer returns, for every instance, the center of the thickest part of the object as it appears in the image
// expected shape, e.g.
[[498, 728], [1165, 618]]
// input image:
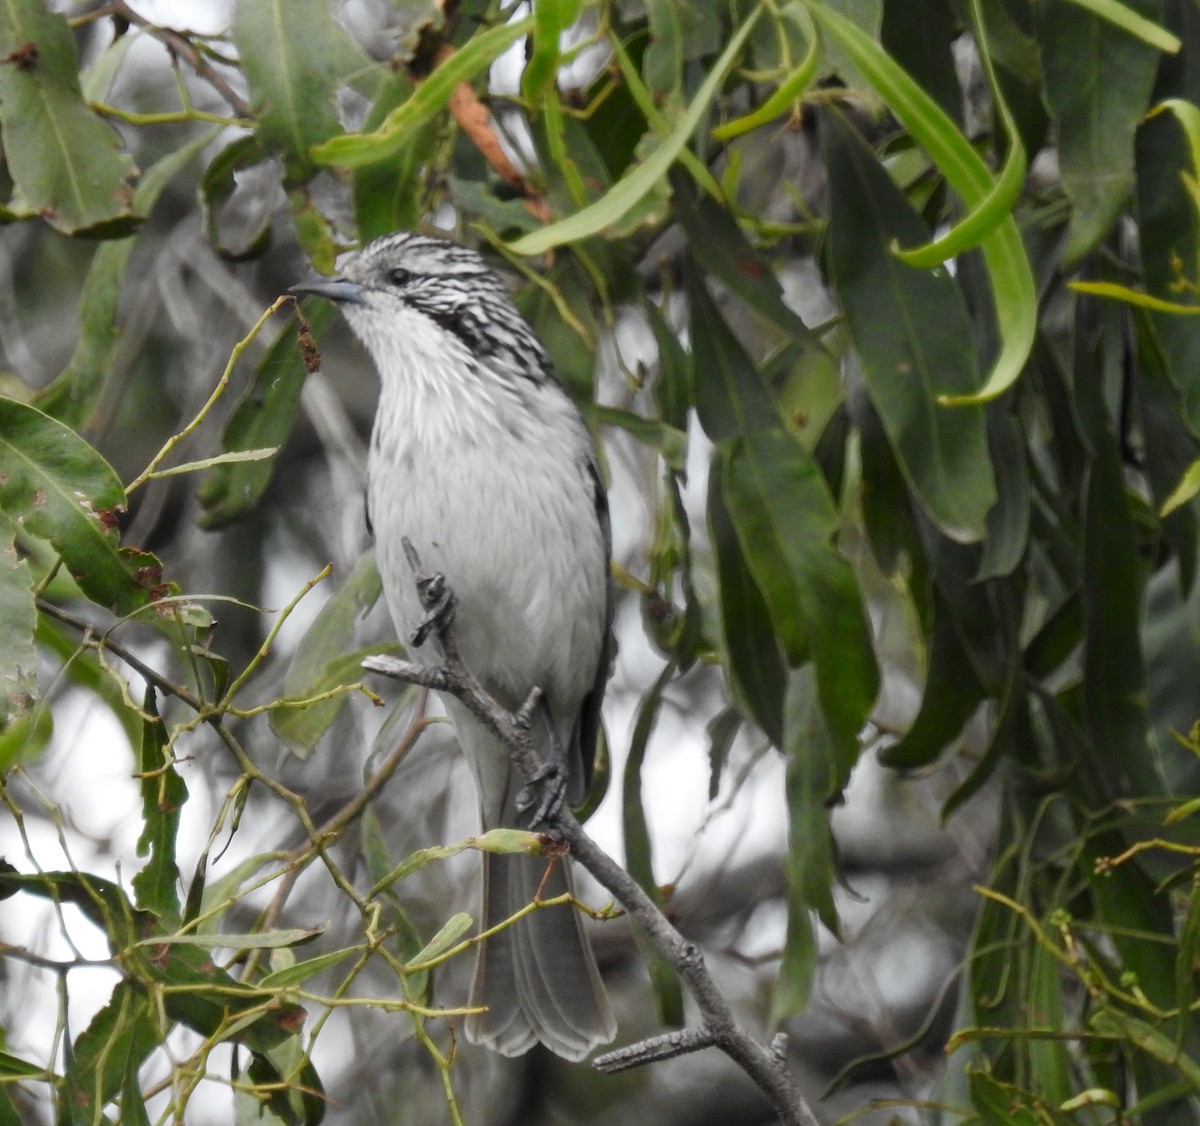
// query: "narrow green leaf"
[[301, 972], [811, 862], [911, 330], [785, 520], [108, 1051], [102, 902], [1167, 166], [1188, 487], [720, 246], [286, 49], [388, 193], [258, 940], [452, 930], [263, 418], [71, 396], [1114, 676], [639, 858], [18, 619], [66, 162], [635, 185], [551, 18], [998, 204], [1007, 536], [356, 149], [786, 97], [506, 842], [666, 440], [327, 659], [156, 886], [729, 393], [752, 657], [1098, 81], [1123, 16], [13, 1067], [57, 487], [1013, 294], [952, 694], [1156, 1042]]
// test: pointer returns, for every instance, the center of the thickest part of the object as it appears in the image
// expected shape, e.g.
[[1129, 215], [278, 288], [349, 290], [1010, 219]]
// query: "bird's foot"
[[439, 603], [544, 792], [437, 598]]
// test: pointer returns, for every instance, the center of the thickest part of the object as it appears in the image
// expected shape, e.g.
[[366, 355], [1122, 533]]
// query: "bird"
[[480, 461]]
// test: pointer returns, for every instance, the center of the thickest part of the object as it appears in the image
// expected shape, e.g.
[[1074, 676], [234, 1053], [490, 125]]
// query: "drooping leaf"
[[156, 886], [355, 150], [1097, 86], [784, 520], [287, 53], [18, 618], [811, 862], [1013, 295], [262, 420], [387, 194], [629, 191], [910, 329], [326, 659], [753, 660], [66, 163], [108, 1053], [72, 395], [55, 486]]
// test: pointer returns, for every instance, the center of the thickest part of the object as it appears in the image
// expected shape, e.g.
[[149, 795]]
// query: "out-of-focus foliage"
[[994, 441]]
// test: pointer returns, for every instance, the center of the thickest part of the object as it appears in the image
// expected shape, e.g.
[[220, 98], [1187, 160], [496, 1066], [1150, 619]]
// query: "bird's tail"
[[537, 977]]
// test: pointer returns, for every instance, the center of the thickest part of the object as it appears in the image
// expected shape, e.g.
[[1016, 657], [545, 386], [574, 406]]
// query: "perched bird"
[[482, 463]]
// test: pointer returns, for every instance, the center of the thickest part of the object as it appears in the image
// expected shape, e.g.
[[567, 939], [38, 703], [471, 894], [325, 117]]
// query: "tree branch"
[[766, 1066]]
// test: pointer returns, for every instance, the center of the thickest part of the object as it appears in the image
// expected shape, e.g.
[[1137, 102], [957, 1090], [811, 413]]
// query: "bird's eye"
[[398, 275]]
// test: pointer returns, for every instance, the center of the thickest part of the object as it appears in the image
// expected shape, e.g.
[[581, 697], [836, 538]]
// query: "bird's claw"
[[546, 790], [439, 603]]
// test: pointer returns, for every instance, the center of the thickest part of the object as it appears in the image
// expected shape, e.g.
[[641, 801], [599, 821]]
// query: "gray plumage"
[[481, 460]]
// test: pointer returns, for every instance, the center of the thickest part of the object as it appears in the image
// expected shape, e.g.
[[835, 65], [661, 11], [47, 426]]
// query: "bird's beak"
[[340, 290]]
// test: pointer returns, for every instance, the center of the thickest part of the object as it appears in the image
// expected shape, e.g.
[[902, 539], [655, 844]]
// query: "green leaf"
[[551, 18], [1168, 212], [1114, 676], [1125, 17], [356, 149], [449, 934], [506, 842], [669, 442], [1013, 294], [387, 193], [257, 940], [785, 521], [66, 163], [156, 886], [1098, 80], [108, 1053], [262, 419], [786, 97], [729, 394], [326, 660], [286, 49], [102, 902], [1007, 536], [811, 862], [952, 693], [300, 972], [717, 242], [18, 618], [54, 485], [752, 657], [911, 331], [637, 184], [72, 395]]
